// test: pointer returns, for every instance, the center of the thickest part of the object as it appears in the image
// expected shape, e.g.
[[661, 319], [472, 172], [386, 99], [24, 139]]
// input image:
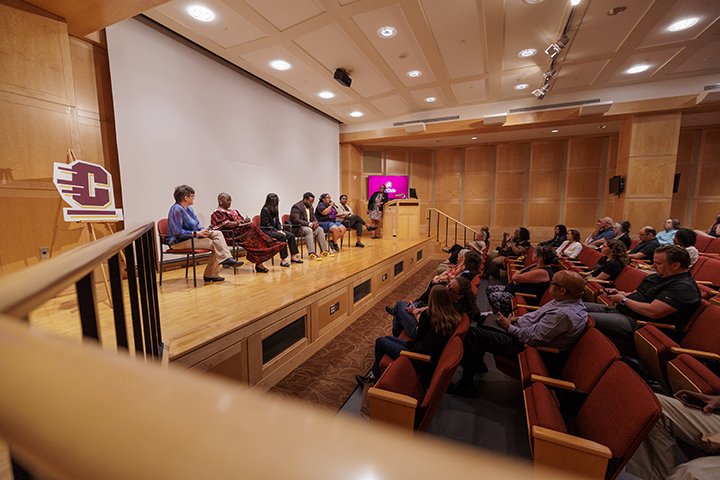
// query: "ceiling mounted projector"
[[342, 77]]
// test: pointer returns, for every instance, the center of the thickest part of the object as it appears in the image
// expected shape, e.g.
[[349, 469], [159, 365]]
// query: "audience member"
[[472, 263], [648, 243], [259, 246], [327, 218], [558, 239], [270, 224], [518, 244], [571, 247], [477, 244], [622, 233], [436, 325], [671, 226], [664, 452], [686, 238], [184, 224], [714, 229], [605, 231], [558, 324], [670, 296], [532, 280], [614, 259], [351, 220], [376, 202], [486, 229], [305, 224]]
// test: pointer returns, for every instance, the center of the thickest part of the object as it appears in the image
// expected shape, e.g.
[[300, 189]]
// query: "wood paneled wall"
[[54, 95]]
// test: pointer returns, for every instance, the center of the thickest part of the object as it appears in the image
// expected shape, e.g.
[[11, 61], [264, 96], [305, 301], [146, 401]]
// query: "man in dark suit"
[[305, 224]]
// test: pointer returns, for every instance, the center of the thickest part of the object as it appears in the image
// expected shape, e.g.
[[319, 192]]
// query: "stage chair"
[[256, 222], [299, 240], [702, 340], [610, 425], [162, 226], [686, 372], [399, 398]]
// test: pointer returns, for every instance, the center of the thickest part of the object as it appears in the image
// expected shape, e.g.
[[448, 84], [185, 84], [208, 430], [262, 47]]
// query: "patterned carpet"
[[328, 377]]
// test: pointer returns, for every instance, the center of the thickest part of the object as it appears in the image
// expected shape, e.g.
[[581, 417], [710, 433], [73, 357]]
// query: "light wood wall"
[[54, 95]]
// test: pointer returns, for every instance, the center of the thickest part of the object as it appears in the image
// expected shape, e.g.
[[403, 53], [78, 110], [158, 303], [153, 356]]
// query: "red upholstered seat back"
[[707, 269], [542, 409], [703, 240], [634, 243], [256, 221], [589, 359], [400, 377], [462, 328], [475, 283], [704, 333], [162, 227], [618, 413], [713, 246], [447, 364], [697, 373], [629, 279], [285, 218], [589, 256]]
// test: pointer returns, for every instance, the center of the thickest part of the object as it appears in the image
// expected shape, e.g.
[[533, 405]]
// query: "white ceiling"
[[466, 49]]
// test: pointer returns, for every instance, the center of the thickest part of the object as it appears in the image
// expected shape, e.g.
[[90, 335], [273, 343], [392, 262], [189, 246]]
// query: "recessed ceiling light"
[[473, 138], [533, 2], [555, 130], [683, 24], [528, 52], [430, 99], [521, 86], [414, 73], [616, 11], [637, 68], [325, 94], [386, 32], [602, 126], [280, 65], [575, 3], [201, 13], [356, 114]]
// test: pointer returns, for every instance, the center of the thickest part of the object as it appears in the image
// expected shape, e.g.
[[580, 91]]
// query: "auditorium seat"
[[585, 261], [399, 398], [706, 273], [626, 281], [523, 303], [686, 372], [166, 249], [299, 240], [702, 241], [702, 340], [610, 425]]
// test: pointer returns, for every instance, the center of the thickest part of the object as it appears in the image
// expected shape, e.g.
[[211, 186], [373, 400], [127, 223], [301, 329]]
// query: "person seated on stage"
[[714, 230], [612, 262], [684, 443], [376, 202], [648, 243], [571, 247], [435, 326], [259, 247], [686, 239], [305, 224], [670, 226], [605, 231], [184, 224], [670, 296], [270, 224], [518, 244], [478, 245], [558, 239], [622, 233], [532, 280], [558, 324], [351, 220], [405, 313], [326, 213]]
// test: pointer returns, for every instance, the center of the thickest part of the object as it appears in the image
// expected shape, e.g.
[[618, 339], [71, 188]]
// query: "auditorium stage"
[[256, 328]]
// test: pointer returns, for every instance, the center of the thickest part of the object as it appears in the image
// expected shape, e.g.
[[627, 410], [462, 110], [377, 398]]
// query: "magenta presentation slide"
[[396, 186]]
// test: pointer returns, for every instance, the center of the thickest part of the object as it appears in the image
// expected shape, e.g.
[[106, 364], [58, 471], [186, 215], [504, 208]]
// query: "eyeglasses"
[[559, 285]]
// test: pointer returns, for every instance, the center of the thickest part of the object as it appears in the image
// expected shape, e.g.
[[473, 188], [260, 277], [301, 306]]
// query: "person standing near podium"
[[375, 210]]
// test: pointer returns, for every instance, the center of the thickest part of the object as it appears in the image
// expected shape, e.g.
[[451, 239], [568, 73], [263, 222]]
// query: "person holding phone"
[[692, 420]]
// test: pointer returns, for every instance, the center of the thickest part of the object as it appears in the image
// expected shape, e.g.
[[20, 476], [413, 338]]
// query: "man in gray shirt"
[[558, 323]]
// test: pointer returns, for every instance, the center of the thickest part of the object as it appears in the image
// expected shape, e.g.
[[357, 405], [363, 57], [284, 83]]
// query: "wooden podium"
[[401, 218]]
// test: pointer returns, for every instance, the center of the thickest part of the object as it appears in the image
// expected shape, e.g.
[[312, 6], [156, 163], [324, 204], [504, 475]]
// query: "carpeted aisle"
[[328, 377]]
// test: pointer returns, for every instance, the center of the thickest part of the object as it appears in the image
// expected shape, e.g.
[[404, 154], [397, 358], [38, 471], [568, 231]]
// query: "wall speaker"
[[415, 128]]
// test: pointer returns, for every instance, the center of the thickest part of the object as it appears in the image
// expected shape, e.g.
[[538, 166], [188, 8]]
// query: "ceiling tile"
[[530, 26], [706, 11], [283, 14], [474, 91], [655, 59], [392, 105], [420, 95], [530, 75], [708, 57], [578, 74]]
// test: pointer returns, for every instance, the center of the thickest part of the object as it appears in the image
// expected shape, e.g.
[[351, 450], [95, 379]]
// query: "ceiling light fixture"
[[549, 75], [540, 93], [430, 99], [637, 69], [387, 31], [201, 13], [281, 65], [616, 11], [683, 24], [528, 52], [473, 138], [326, 94], [575, 3], [533, 2], [555, 130], [521, 86], [601, 127], [356, 114], [414, 73]]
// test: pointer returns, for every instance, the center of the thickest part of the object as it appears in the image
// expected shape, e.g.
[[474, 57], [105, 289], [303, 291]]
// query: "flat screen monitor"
[[396, 186], [617, 185]]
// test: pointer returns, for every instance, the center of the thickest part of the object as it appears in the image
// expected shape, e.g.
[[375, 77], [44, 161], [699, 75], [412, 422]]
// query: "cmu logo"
[[88, 189]]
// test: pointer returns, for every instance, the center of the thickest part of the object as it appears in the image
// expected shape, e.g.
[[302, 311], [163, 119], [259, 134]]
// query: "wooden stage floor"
[[193, 317]]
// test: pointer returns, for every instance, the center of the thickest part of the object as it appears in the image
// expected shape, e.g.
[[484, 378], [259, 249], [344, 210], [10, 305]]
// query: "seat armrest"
[[526, 307], [393, 408], [561, 451], [602, 282], [695, 353], [525, 295], [552, 382], [416, 356], [664, 326]]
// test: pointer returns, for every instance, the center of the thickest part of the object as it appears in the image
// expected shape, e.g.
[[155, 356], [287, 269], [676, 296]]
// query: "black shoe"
[[371, 228], [389, 309], [359, 244], [284, 264], [296, 261], [262, 268], [363, 380], [335, 246], [231, 262], [213, 279]]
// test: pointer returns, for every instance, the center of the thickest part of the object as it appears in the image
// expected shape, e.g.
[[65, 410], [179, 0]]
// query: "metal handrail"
[[448, 218]]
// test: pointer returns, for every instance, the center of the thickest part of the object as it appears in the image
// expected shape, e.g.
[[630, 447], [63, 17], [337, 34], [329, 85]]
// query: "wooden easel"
[[91, 232]]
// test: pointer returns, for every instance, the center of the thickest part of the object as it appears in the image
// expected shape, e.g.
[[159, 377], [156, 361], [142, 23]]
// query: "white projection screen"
[[183, 118]]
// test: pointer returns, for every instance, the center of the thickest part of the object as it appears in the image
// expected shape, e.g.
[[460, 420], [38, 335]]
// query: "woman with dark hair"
[[714, 230], [518, 244], [326, 213], [612, 262], [376, 202], [558, 239], [622, 233], [532, 280], [270, 224], [686, 239], [571, 247], [435, 326]]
